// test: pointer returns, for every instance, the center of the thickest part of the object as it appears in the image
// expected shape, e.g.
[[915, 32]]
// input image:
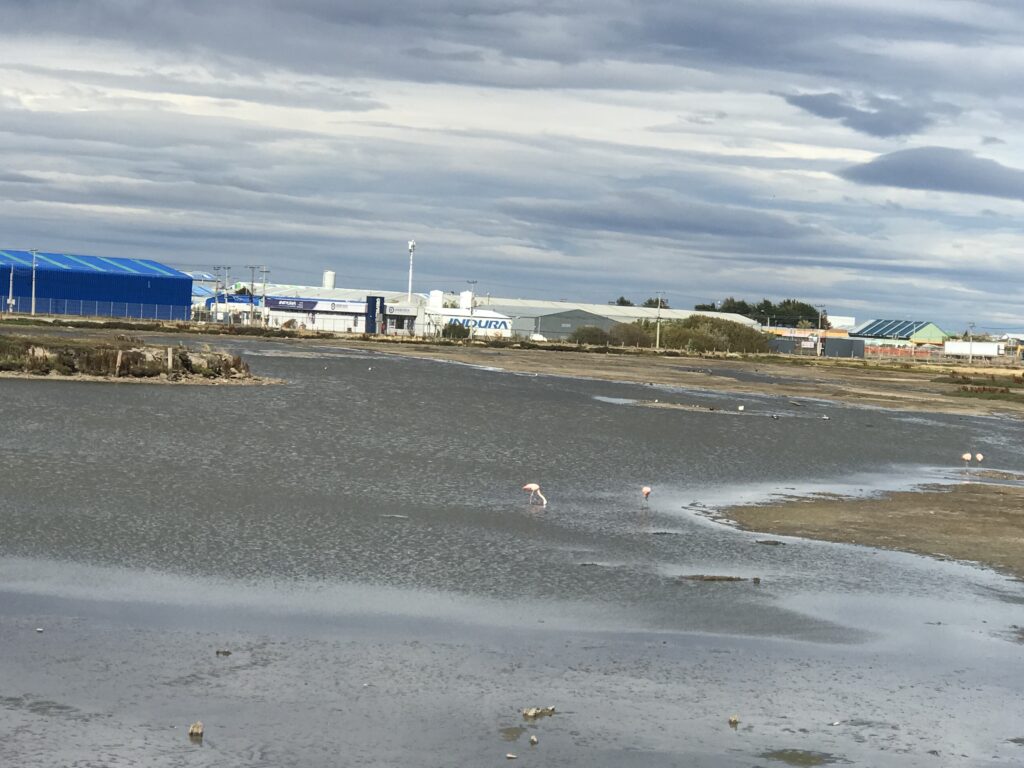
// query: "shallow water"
[[363, 523]]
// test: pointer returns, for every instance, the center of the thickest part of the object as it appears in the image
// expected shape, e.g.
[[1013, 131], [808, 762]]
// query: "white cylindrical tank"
[[436, 299], [466, 300], [328, 278]]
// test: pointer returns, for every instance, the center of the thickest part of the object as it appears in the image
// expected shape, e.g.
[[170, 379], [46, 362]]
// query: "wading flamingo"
[[646, 491], [534, 490], [967, 459]]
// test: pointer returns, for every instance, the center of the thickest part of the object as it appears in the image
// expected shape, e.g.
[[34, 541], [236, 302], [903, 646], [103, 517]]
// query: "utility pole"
[[227, 307], [970, 343], [472, 301], [218, 270], [657, 326], [265, 314], [33, 252], [252, 287], [412, 252], [216, 289], [821, 312], [10, 293]]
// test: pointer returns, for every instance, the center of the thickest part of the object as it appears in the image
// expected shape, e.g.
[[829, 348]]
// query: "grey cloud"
[[988, 140], [873, 115], [140, 128], [428, 40], [942, 170], [304, 94], [13, 177], [215, 187], [654, 215], [431, 55]]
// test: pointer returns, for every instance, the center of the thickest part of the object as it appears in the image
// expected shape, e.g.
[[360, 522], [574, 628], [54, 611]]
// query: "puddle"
[[800, 757], [615, 400]]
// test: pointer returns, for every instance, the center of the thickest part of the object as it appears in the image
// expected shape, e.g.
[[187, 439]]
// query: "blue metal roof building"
[[71, 284], [914, 331]]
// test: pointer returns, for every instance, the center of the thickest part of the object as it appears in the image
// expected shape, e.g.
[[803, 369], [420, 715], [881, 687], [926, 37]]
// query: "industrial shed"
[[70, 284], [552, 324], [899, 332]]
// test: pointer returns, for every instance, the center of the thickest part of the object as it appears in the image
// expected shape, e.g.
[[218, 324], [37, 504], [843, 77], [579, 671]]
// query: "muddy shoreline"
[[200, 381], [917, 389], [981, 522]]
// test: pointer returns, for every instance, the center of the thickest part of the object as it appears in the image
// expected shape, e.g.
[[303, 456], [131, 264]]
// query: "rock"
[[223, 652], [532, 713], [510, 756], [39, 629], [734, 720], [756, 580], [195, 731], [771, 542], [533, 741]]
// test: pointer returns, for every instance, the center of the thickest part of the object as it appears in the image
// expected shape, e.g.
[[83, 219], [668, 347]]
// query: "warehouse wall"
[[102, 294]]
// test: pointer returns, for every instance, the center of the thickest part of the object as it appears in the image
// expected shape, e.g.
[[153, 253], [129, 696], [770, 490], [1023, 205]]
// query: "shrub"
[[705, 334], [631, 335], [454, 331], [589, 334]]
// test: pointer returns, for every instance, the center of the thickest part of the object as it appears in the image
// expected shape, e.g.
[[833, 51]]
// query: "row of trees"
[[695, 334], [787, 312], [652, 302]]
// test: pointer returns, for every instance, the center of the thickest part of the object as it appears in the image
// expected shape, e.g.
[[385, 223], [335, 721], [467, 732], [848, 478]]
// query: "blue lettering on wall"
[[481, 324]]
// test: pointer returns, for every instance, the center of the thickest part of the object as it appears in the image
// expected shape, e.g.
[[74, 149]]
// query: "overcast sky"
[[864, 155]]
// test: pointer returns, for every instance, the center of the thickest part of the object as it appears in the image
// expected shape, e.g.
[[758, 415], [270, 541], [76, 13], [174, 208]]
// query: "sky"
[[863, 155]]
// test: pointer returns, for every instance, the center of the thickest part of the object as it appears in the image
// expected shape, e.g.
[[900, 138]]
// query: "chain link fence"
[[130, 310]]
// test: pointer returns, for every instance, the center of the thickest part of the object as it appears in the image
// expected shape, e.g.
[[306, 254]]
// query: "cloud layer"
[[553, 149]]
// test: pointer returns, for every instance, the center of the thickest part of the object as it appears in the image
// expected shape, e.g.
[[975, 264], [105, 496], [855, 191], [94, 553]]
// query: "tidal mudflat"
[[357, 539]]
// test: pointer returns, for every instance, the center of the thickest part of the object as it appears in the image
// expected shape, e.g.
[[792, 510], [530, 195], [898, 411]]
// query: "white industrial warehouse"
[[402, 313]]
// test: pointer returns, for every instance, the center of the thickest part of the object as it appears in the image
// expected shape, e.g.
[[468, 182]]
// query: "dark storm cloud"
[[872, 115], [940, 169]]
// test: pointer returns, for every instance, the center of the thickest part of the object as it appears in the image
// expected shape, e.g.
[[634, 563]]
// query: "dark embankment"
[[122, 357]]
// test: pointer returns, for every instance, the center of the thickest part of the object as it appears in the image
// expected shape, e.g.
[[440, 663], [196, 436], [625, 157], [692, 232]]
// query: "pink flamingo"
[[967, 459], [534, 490], [646, 491]]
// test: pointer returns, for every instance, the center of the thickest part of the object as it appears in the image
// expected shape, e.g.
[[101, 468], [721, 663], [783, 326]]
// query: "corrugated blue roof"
[[890, 329], [68, 262]]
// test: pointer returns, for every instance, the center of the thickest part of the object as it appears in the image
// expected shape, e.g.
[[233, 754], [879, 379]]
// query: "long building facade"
[[92, 286]]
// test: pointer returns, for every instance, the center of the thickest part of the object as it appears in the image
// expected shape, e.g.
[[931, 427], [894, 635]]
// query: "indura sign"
[[482, 323]]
